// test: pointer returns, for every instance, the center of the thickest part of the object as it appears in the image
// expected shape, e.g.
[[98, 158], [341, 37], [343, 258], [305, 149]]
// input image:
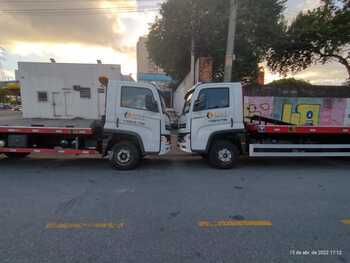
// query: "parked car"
[[17, 108], [4, 106]]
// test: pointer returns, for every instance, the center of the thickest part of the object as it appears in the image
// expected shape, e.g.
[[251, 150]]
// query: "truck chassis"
[[293, 141], [18, 141]]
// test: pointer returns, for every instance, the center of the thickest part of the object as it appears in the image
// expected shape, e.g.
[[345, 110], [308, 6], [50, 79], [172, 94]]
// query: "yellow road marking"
[[85, 226], [346, 222], [232, 223]]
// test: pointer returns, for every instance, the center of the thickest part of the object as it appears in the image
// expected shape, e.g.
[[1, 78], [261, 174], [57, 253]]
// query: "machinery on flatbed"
[[135, 125], [213, 125]]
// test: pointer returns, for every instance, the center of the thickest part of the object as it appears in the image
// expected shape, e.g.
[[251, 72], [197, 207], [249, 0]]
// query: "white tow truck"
[[213, 125], [135, 125]]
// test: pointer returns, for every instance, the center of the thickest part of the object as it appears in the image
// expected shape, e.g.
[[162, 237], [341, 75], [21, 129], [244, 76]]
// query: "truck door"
[[211, 113], [139, 113]]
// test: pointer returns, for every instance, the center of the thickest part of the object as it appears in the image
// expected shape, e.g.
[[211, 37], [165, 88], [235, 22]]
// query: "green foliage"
[[9, 90], [317, 36], [290, 82], [259, 23], [13, 89]]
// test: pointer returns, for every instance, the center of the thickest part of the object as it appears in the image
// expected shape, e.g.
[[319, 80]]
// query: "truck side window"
[[216, 98], [136, 98]]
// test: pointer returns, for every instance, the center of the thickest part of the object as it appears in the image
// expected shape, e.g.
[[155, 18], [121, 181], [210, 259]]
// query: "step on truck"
[[213, 124], [135, 125]]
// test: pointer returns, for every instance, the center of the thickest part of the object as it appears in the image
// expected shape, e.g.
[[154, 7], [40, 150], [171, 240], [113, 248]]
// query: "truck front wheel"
[[223, 155], [125, 156]]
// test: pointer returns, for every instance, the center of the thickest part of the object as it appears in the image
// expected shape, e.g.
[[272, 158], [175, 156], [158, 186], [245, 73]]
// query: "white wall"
[[59, 78], [181, 91], [186, 85]]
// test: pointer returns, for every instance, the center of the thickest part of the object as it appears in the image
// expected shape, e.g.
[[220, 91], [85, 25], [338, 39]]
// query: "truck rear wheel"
[[125, 156], [223, 155], [16, 155]]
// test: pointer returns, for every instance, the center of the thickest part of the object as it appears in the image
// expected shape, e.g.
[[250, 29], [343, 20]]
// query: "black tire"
[[125, 156], [17, 155], [223, 155]]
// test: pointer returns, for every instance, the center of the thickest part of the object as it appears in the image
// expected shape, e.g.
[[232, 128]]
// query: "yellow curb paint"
[[85, 226], [233, 223], [346, 222]]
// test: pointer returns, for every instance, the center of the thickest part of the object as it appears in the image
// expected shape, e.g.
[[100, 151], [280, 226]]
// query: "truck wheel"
[[16, 155], [125, 156], [223, 155]]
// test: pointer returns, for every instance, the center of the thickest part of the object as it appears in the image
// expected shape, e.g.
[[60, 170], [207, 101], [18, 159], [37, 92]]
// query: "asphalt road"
[[9, 115], [174, 209]]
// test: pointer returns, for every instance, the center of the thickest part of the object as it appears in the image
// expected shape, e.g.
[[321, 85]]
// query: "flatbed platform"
[[14, 123], [294, 129]]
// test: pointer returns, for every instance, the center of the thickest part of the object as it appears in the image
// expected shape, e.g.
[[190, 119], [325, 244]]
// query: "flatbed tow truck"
[[135, 125], [213, 125]]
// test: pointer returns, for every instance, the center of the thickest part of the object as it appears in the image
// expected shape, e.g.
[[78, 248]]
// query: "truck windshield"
[[188, 102]]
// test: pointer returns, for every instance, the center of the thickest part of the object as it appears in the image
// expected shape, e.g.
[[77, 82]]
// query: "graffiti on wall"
[[301, 111]]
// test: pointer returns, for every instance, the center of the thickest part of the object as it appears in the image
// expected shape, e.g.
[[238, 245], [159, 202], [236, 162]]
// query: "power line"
[[121, 2], [66, 9], [81, 14], [77, 11], [68, 1]]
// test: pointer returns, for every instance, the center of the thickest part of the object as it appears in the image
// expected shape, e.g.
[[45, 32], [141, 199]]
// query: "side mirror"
[[198, 104], [151, 104]]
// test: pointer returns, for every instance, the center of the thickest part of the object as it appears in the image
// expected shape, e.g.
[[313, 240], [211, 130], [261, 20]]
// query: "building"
[[62, 90], [148, 71], [144, 64]]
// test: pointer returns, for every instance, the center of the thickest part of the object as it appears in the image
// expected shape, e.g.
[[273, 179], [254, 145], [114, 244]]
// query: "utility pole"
[[230, 56], [193, 60]]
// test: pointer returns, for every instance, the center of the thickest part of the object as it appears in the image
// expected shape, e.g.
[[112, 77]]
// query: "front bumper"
[[184, 142], [165, 146]]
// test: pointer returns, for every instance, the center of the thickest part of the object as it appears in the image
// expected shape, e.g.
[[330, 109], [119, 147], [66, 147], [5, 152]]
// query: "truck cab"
[[212, 123], [136, 123]]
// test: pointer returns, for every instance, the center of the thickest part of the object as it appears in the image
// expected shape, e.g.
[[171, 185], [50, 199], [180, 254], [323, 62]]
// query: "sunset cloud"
[[110, 36], [82, 27]]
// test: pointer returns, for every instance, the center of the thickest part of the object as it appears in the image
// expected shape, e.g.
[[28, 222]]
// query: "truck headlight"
[[2, 143]]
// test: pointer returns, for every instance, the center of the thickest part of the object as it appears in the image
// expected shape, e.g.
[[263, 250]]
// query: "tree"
[[318, 36], [206, 22], [11, 90], [3, 95], [290, 82]]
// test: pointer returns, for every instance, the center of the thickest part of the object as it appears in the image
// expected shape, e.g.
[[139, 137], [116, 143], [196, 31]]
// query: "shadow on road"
[[182, 162]]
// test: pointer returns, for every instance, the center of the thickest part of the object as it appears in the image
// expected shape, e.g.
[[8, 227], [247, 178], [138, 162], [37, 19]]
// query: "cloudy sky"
[[86, 30]]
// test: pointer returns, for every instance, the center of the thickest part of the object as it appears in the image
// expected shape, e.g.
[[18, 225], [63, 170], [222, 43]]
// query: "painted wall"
[[301, 111]]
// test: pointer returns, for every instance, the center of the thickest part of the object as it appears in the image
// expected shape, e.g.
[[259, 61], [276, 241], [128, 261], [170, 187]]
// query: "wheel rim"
[[225, 155], [124, 156]]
